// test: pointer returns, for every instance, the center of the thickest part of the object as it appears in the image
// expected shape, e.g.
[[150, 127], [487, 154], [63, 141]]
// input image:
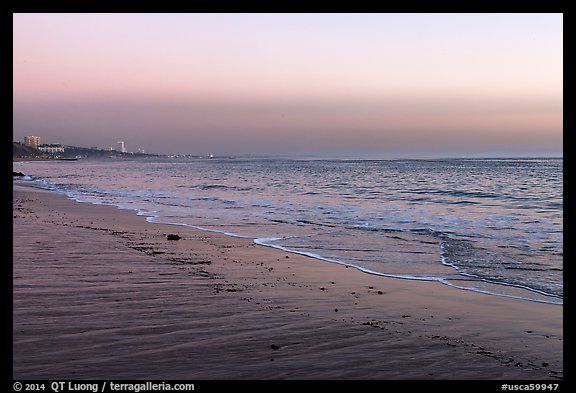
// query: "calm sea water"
[[493, 226]]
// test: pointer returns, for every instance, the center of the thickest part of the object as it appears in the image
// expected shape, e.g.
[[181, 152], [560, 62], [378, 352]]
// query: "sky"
[[387, 85]]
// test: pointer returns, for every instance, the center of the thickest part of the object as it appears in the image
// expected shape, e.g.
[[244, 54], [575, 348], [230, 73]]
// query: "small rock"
[[274, 347], [18, 174], [173, 237]]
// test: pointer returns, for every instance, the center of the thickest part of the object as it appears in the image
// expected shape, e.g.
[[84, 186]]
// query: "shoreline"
[[483, 285], [501, 289], [447, 282], [299, 318]]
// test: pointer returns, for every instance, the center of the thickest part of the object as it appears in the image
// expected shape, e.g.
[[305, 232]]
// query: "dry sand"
[[99, 293]]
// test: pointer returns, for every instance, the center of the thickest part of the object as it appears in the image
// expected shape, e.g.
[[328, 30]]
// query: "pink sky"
[[292, 83]]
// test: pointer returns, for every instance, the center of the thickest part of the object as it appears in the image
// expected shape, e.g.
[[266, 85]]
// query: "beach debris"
[[173, 236], [274, 347]]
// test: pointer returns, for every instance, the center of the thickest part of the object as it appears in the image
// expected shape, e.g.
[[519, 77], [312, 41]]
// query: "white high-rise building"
[[32, 141], [122, 147]]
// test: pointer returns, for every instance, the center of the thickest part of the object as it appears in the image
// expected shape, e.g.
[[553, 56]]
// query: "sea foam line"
[[152, 218], [444, 262], [264, 242]]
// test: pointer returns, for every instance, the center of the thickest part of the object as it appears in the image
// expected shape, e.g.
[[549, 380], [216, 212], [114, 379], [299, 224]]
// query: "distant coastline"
[[22, 152]]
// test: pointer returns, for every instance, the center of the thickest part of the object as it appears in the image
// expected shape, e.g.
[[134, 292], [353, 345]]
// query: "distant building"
[[122, 147], [32, 141], [51, 148]]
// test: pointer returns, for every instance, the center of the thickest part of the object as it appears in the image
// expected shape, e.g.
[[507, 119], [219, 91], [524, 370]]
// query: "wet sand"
[[99, 293]]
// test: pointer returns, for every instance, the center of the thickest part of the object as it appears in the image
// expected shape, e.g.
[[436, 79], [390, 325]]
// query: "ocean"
[[487, 225]]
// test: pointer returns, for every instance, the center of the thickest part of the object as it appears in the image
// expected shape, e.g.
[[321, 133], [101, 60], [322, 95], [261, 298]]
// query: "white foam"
[[394, 216], [263, 242]]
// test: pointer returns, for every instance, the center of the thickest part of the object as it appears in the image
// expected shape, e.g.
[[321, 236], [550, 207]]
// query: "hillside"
[[20, 151]]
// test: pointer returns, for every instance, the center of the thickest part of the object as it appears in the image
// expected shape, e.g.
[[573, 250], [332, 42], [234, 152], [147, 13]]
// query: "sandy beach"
[[100, 293]]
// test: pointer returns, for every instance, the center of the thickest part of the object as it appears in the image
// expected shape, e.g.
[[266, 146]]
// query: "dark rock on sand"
[[19, 174], [173, 237]]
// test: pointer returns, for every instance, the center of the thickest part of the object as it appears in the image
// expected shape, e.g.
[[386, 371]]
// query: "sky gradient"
[[388, 85]]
